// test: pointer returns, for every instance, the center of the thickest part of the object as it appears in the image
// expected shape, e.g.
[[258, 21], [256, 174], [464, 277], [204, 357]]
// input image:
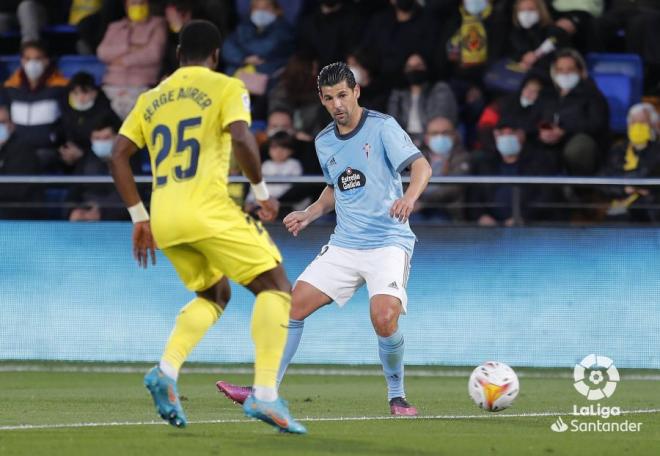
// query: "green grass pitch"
[[69, 409]]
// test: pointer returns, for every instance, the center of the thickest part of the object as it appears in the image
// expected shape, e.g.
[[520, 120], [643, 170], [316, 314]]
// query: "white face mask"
[[475, 7], [567, 81], [34, 69], [262, 18], [528, 19], [102, 148]]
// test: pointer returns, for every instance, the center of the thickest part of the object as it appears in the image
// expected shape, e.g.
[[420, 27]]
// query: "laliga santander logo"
[[596, 378]]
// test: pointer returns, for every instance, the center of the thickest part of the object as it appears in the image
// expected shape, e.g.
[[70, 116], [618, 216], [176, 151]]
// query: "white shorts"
[[339, 272]]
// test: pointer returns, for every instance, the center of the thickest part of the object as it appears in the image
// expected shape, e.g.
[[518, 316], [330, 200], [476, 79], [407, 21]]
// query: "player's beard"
[[341, 117]]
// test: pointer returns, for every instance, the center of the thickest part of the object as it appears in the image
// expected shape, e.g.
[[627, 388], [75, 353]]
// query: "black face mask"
[[406, 5], [416, 77]]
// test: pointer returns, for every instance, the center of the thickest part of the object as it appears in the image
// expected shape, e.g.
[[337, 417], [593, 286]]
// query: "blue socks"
[[293, 340], [390, 350]]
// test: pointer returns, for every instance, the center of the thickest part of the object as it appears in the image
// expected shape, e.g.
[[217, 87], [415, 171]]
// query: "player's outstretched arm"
[[247, 156], [297, 221], [144, 245], [420, 173]]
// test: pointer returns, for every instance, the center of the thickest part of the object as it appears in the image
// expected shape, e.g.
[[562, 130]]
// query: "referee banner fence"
[[528, 296]]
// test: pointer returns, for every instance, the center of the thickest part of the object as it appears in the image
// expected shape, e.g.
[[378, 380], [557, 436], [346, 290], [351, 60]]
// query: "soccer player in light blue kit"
[[362, 154]]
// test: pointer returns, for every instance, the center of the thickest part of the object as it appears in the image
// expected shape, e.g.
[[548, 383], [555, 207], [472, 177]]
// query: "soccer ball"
[[493, 386]]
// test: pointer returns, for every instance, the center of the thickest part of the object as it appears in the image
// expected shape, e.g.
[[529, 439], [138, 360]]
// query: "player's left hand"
[[144, 244], [402, 208], [268, 209]]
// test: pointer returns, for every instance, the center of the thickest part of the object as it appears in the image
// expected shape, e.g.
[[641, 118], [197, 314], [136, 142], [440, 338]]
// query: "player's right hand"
[[144, 244], [297, 221], [268, 209]]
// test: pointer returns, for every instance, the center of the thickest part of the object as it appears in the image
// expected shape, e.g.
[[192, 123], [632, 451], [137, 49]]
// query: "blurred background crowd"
[[483, 87]]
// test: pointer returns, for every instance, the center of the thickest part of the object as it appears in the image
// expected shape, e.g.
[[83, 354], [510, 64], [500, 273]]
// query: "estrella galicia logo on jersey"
[[351, 179]]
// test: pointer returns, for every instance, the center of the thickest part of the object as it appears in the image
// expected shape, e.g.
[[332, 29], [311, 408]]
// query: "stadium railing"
[[517, 183]]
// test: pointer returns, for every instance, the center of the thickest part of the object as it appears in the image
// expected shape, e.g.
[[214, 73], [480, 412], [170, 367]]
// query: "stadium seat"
[[617, 88], [8, 64], [71, 64], [627, 64]]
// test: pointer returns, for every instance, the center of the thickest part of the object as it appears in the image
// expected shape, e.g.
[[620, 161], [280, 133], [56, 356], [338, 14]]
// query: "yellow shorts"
[[241, 253]]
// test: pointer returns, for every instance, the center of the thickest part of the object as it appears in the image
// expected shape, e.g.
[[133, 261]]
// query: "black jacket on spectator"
[[583, 110], [625, 161], [77, 126], [523, 40], [394, 41], [531, 162], [19, 158], [329, 37]]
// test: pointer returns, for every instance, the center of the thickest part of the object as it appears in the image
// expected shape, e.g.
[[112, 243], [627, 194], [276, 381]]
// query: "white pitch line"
[[343, 372], [312, 419]]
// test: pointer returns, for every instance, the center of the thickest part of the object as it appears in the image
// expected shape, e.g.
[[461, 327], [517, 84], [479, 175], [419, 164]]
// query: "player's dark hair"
[[335, 73], [82, 80], [198, 39]]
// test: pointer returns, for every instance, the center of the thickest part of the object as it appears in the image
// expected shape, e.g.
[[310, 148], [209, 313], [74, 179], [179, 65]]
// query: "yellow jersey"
[[183, 123]]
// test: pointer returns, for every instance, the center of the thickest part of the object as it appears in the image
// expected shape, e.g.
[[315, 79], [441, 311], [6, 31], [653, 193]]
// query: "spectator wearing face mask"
[[98, 202], [132, 50], [575, 123], [420, 101], [395, 33], [85, 107], [264, 41], [637, 157], [16, 158], [534, 37], [444, 150], [523, 106], [330, 31], [34, 95], [512, 156]]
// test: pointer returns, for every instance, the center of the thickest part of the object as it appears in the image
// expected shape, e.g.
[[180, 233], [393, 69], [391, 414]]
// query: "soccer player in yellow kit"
[[190, 123]]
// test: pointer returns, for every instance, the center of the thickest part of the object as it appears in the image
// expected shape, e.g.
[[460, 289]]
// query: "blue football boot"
[[275, 413], [166, 397]]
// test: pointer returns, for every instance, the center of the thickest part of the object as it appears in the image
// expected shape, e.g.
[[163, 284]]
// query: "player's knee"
[[385, 322], [273, 279], [220, 294]]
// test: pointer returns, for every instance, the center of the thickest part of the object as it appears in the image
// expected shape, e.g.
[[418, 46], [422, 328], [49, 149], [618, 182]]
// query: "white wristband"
[[138, 213], [260, 191]]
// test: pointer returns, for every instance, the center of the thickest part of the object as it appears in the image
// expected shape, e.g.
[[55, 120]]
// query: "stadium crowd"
[[483, 87]]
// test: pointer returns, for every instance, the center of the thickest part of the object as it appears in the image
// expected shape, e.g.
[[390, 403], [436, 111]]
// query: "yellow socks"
[[193, 322], [270, 319]]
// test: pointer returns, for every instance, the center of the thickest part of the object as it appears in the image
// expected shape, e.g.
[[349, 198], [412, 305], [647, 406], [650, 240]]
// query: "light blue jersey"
[[364, 168]]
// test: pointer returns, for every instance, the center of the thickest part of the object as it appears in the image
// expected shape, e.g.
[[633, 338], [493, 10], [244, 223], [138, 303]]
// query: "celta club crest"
[[366, 148]]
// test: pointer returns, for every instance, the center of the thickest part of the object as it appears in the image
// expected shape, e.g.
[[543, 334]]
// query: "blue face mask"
[[262, 18], [102, 148], [508, 145], [441, 144], [4, 133]]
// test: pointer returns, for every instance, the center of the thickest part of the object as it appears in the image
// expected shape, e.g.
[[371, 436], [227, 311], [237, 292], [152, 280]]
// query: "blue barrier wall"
[[526, 296]]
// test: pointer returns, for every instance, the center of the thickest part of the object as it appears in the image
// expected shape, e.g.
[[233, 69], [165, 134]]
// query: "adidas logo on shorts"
[[393, 285]]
